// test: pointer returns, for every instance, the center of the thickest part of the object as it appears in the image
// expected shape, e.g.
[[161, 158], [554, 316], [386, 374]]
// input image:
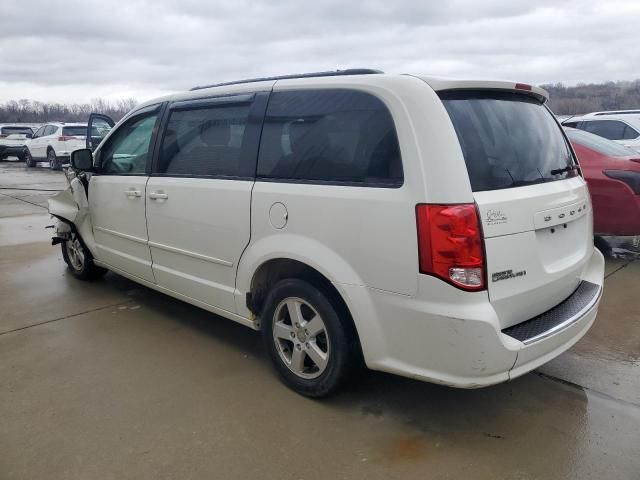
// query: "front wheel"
[[308, 343], [79, 259]]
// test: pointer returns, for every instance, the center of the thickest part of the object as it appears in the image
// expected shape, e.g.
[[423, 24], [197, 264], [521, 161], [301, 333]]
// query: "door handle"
[[133, 193], [158, 196]]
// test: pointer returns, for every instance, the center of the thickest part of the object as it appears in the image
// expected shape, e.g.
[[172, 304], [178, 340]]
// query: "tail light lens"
[[450, 244], [64, 138]]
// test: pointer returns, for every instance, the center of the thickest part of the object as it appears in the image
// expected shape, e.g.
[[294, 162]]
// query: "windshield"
[[508, 139], [599, 144], [79, 131]]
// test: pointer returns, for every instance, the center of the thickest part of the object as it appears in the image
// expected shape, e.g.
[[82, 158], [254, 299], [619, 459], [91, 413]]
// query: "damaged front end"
[[71, 209]]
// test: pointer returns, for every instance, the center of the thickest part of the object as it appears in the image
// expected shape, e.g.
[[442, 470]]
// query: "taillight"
[[64, 138], [450, 244]]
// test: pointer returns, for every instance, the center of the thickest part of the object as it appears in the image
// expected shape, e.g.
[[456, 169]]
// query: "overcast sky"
[[73, 51]]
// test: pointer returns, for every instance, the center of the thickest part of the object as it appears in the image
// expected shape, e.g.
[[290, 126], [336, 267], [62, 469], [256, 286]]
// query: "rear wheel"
[[28, 159], [79, 259], [53, 160], [308, 343]]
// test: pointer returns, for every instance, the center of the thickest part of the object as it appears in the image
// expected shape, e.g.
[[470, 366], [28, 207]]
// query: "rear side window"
[[206, 142], [329, 136], [508, 139], [610, 129]]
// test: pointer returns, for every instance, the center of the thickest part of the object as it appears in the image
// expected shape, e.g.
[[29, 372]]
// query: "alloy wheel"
[[301, 338], [76, 252]]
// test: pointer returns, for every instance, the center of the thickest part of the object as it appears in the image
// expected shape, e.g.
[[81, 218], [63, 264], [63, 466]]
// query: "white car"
[[54, 142], [13, 139], [436, 229], [621, 126]]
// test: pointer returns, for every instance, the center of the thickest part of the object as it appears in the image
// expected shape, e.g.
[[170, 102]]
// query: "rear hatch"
[[534, 206], [74, 137]]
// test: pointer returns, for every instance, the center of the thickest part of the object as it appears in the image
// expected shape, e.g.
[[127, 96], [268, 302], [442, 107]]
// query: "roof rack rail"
[[332, 73], [618, 112]]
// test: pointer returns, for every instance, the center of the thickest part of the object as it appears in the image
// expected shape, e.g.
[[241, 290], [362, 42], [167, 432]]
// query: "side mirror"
[[82, 159], [29, 135]]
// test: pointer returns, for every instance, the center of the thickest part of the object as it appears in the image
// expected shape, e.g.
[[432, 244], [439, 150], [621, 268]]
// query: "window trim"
[[340, 183], [257, 107], [160, 108]]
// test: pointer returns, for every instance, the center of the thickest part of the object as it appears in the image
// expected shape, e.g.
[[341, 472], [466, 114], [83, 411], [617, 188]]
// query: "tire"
[[602, 245], [79, 259], [53, 160], [324, 351], [28, 159]]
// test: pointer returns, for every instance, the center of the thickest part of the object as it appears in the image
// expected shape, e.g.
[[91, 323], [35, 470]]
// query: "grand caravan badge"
[[506, 275], [495, 217]]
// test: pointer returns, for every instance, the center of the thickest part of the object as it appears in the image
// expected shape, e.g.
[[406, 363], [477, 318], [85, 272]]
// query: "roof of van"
[[371, 75]]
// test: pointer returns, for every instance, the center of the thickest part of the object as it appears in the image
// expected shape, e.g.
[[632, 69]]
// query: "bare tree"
[[33, 111]]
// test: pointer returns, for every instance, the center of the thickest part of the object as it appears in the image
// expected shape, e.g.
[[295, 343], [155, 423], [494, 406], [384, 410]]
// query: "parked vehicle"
[[437, 229], [13, 139], [54, 142], [621, 126], [613, 175]]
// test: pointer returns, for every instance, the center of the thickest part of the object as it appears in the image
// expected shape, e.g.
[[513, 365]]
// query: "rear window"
[[599, 144], [74, 131], [15, 130], [508, 139]]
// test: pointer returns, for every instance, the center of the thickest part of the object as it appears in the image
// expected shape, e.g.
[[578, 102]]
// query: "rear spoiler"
[[439, 84]]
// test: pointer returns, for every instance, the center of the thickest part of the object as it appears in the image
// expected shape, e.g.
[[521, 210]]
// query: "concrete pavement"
[[113, 380]]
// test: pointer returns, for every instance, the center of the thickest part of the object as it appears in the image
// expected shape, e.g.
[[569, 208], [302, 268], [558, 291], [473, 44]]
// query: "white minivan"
[[435, 229]]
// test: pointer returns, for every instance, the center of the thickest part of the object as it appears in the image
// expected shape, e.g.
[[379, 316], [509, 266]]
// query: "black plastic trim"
[[559, 317]]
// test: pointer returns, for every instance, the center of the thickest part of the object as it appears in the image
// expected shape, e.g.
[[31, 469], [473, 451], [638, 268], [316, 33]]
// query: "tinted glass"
[[508, 140], [39, 132], [329, 136], [127, 151], [629, 133], [599, 144], [50, 130], [74, 131], [14, 130], [207, 142], [611, 129]]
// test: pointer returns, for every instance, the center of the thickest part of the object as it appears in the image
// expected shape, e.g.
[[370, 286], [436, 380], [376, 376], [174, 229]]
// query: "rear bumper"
[[11, 150], [443, 337]]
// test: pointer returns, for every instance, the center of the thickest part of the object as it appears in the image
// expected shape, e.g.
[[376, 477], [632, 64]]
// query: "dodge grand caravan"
[[435, 229]]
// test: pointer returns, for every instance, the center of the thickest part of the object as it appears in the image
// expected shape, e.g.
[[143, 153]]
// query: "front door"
[[199, 196], [117, 195], [98, 127]]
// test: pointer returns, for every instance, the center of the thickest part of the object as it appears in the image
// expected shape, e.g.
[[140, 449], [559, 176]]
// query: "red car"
[[613, 175]]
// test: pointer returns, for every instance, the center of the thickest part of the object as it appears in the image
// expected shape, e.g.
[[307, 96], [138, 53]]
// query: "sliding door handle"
[[158, 196]]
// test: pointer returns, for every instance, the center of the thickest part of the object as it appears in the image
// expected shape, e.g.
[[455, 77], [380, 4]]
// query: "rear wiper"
[[568, 168]]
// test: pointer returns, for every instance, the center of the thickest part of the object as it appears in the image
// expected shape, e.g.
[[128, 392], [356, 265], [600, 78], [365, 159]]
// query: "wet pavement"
[[113, 380]]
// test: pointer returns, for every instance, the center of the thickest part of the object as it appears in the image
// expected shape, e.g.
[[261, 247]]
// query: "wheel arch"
[[271, 271]]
